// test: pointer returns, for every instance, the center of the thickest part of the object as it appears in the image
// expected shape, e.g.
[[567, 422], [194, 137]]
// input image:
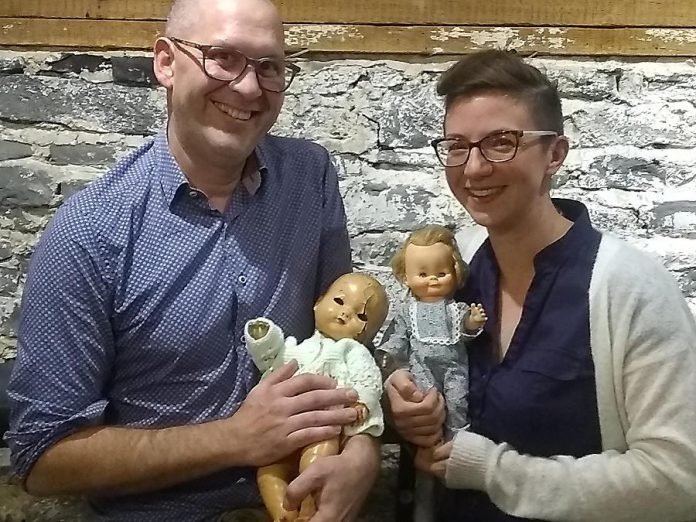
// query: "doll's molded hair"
[[427, 236]]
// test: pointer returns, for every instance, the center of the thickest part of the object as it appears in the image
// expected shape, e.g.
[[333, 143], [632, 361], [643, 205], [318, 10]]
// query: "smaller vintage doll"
[[346, 317], [428, 333]]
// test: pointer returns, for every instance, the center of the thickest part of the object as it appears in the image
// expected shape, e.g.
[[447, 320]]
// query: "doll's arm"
[[264, 341], [366, 380], [393, 352]]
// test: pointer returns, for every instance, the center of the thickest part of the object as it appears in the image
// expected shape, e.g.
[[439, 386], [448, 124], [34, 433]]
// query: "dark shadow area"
[[5, 371]]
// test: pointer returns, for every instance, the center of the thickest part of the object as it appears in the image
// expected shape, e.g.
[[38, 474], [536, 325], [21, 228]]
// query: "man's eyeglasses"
[[227, 64], [497, 147]]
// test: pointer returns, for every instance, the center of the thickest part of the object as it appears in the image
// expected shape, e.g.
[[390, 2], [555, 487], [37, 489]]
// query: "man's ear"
[[164, 61], [557, 155]]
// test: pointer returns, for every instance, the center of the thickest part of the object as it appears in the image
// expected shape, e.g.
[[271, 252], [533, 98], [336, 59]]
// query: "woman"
[[583, 383]]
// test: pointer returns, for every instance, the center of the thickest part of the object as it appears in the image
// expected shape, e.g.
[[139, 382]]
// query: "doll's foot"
[[288, 516], [258, 330]]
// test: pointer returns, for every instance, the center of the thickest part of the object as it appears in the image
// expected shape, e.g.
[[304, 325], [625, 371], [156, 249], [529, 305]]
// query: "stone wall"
[[632, 124], [65, 117]]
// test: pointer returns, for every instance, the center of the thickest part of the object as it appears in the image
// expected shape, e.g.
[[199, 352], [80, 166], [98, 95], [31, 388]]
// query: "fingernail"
[[352, 395]]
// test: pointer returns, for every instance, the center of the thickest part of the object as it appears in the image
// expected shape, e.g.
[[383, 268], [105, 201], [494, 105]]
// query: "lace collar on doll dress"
[[436, 323]]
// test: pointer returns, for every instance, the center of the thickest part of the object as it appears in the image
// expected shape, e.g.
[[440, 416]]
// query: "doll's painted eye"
[[362, 317], [338, 301], [423, 274], [441, 274]]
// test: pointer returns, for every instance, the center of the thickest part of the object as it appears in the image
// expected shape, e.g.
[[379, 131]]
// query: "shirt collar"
[[573, 240], [172, 178]]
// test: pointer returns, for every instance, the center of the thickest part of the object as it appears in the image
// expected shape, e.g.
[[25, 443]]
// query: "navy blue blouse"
[[541, 398]]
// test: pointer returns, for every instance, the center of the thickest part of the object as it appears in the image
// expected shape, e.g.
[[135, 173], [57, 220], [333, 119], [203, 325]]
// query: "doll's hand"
[[362, 411], [258, 329], [476, 318]]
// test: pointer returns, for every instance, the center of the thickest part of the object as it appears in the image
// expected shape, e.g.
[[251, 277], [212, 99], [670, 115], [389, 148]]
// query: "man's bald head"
[[184, 15]]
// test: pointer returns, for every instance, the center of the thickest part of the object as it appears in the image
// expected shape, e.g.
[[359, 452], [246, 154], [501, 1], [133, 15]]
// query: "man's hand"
[[340, 483], [417, 418], [433, 460], [284, 413]]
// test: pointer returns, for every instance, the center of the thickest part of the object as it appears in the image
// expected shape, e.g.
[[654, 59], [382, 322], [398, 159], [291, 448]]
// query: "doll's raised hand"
[[476, 317]]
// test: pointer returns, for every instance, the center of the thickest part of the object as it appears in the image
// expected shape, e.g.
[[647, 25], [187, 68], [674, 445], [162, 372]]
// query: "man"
[[132, 383]]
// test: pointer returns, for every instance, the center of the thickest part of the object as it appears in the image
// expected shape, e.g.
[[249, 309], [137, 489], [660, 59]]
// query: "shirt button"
[[242, 279], [242, 339], [193, 193]]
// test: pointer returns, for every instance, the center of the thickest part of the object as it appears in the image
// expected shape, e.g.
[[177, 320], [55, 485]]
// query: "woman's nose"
[[477, 165]]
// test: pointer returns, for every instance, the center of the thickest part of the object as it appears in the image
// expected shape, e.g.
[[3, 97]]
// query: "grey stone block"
[[20, 187], [80, 105], [12, 65], [133, 71], [14, 150], [76, 63], [81, 154], [68, 188]]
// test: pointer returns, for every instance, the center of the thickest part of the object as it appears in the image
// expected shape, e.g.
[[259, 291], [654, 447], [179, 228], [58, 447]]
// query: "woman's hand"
[[417, 418], [433, 460]]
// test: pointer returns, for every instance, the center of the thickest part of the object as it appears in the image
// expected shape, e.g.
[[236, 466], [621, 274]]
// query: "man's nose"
[[248, 83]]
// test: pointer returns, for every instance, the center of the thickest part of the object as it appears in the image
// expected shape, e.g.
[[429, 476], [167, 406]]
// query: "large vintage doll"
[[349, 314], [429, 331]]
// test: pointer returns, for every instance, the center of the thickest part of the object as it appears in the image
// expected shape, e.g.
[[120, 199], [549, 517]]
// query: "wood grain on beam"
[[367, 39], [620, 13]]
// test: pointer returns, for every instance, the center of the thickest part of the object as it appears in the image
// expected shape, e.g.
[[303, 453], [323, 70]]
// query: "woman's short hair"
[[427, 236], [504, 72]]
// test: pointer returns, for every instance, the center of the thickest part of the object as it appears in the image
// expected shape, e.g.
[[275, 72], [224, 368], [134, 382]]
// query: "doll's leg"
[[456, 393], [310, 455], [273, 483]]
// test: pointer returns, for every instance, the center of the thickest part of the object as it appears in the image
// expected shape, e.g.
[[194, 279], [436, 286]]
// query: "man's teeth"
[[231, 111], [481, 193]]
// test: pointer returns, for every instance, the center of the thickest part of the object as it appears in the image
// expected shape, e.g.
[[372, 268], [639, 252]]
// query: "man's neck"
[[216, 179]]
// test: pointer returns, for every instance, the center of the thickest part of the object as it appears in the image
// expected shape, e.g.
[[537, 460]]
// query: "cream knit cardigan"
[[643, 338]]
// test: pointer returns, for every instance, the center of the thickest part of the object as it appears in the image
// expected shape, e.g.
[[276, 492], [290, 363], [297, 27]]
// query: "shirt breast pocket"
[[560, 402], [557, 382]]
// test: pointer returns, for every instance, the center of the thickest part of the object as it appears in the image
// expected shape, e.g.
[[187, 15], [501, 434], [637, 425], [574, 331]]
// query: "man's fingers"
[[305, 484], [318, 418], [306, 436], [304, 382], [321, 400], [282, 374]]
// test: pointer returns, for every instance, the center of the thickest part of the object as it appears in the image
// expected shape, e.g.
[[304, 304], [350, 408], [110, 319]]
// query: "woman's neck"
[[516, 247]]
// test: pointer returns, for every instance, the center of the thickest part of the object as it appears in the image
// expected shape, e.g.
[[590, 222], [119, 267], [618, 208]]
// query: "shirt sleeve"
[[65, 341], [654, 477], [335, 253]]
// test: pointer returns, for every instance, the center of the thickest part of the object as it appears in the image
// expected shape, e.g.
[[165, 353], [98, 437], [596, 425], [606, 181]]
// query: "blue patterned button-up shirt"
[[136, 299]]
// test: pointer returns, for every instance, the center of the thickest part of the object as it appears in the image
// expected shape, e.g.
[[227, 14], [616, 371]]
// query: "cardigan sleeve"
[[653, 477]]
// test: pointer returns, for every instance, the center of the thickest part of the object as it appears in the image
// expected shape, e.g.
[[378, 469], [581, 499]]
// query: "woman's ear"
[[557, 155], [164, 62]]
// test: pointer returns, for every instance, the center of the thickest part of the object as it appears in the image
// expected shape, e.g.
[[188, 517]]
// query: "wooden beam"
[[367, 39], [604, 13]]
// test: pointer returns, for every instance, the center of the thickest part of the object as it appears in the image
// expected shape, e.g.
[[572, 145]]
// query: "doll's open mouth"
[[340, 320]]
